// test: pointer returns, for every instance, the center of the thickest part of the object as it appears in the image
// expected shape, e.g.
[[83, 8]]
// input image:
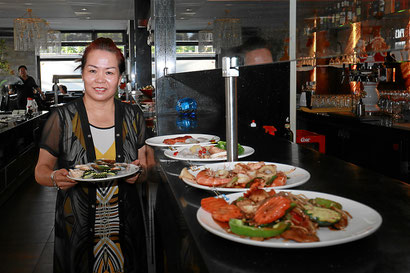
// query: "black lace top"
[[66, 135]]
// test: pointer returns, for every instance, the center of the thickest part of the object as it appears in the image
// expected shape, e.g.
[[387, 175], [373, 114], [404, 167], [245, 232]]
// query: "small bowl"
[[147, 92]]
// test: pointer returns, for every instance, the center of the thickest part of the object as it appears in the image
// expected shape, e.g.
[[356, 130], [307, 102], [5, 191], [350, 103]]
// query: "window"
[[190, 57], [117, 37], [73, 44], [49, 68], [76, 37]]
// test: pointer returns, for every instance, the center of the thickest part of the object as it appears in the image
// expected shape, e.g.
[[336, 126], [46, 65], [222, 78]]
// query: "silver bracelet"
[[54, 182]]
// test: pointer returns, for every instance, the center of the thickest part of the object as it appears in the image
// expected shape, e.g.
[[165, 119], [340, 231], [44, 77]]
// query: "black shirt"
[[26, 89]]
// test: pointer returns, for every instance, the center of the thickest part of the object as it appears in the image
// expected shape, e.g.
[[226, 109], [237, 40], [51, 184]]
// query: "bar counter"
[[374, 141], [188, 247], [18, 149]]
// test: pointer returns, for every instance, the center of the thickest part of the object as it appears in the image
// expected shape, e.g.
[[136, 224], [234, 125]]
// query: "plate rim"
[[148, 141], [290, 244], [97, 180], [232, 190], [252, 151]]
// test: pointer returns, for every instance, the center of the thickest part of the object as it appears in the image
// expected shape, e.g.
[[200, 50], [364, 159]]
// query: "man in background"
[[62, 89], [29, 88], [256, 51]]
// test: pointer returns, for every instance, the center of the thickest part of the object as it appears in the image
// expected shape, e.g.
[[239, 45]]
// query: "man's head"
[[256, 51], [22, 70], [63, 89]]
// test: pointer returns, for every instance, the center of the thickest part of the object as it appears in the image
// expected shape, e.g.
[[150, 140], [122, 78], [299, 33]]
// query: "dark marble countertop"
[[385, 251], [9, 121]]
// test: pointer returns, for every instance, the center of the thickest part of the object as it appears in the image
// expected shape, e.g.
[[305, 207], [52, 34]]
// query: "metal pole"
[[55, 89], [230, 72], [292, 58]]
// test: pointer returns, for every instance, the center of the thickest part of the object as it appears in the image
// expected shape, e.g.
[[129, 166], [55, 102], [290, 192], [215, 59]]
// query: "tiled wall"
[[17, 58]]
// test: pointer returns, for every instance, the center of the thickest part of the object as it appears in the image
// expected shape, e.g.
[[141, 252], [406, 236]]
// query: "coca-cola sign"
[[305, 139]]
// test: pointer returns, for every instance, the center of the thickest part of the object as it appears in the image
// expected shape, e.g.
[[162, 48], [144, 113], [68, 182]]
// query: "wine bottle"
[[288, 134]]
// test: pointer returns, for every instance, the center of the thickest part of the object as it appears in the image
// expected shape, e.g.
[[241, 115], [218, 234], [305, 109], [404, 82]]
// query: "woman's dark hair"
[[103, 44]]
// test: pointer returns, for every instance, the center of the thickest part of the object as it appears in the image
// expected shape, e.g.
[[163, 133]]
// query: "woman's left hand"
[[134, 177]]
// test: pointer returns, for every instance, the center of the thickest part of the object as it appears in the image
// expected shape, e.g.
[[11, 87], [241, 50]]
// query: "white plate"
[[202, 138], [365, 221], [191, 157], [296, 178], [129, 170]]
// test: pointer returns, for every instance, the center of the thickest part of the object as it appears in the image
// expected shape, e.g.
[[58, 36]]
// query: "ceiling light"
[[82, 13], [188, 13], [188, 9], [83, 9], [30, 33]]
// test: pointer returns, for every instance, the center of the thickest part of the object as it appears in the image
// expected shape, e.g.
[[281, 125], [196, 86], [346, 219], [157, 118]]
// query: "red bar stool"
[[304, 136]]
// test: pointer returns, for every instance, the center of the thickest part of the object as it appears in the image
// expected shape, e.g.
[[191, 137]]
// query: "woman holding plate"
[[98, 226]]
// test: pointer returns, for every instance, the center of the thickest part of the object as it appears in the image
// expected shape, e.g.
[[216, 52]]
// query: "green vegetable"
[[89, 175], [326, 203], [238, 227], [102, 167], [323, 216], [270, 181], [249, 184], [100, 175], [222, 145]]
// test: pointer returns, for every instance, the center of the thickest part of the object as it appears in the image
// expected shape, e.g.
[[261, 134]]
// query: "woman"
[[98, 226]]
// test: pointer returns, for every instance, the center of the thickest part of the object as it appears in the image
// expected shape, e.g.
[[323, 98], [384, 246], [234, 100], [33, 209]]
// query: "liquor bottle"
[[342, 17], [378, 9], [354, 16], [334, 9], [288, 134], [349, 12], [337, 16], [358, 10], [360, 109], [399, 5]]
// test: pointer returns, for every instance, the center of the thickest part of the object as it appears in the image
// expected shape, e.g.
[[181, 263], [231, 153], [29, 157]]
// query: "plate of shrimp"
[[240, 176], [204, 153], [181, 140]]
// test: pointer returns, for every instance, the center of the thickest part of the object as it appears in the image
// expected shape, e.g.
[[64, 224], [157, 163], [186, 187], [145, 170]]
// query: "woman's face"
[[101, 75]]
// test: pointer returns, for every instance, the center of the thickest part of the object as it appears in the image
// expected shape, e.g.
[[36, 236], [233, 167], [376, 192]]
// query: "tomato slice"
[[238, 227], [273, 209], [210, 204], [227, 212]]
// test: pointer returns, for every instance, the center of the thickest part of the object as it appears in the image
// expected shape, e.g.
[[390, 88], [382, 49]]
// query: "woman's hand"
[[131, 179], [62, 181]]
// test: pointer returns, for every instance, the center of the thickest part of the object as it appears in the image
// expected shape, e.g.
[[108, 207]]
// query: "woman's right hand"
[[62, 181]]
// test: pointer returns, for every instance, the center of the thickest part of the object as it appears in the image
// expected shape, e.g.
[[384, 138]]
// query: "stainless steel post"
[[230, 72], [55, 89]]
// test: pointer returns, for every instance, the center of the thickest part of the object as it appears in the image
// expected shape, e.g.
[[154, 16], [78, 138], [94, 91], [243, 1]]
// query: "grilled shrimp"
[[213, 178]]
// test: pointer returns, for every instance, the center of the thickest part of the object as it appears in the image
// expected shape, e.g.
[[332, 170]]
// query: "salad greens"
[[222, 145]]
